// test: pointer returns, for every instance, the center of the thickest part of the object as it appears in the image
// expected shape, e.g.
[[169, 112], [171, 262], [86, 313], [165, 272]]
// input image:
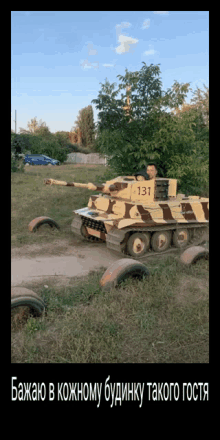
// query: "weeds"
[[140, 321]]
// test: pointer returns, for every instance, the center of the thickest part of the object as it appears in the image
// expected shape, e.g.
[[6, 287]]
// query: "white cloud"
[[108, 65], [146, 24], [150, 52], [125, 43], [121, 26], [124, 40], [160, 12], [87, 65]]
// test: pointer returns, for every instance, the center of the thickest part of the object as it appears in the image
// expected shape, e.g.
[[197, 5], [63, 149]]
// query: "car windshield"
[[46, 157]]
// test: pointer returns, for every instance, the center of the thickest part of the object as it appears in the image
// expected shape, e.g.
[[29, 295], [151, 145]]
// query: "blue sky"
[[59, 58]]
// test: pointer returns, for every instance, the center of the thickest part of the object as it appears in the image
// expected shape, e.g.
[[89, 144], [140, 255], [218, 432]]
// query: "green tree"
[[20, 144], [150, 131], [134, 129], [50, 148], [62, 137], [86, 127]]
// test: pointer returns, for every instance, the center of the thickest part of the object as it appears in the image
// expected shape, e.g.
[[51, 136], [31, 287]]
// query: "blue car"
[[40, 159]]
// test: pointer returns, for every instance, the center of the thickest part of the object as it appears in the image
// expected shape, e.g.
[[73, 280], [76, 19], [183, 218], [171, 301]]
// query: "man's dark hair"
[[152, 164]]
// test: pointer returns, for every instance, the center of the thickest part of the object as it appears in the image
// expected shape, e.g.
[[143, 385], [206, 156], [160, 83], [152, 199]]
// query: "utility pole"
[[128, 106]]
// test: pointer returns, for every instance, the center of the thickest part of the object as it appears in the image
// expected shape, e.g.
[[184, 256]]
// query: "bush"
[[20, 143], [49, 148], [17, 164], [73, 148]]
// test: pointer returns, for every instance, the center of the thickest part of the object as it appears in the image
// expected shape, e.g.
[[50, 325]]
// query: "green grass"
[[162, 319], [30, 198]]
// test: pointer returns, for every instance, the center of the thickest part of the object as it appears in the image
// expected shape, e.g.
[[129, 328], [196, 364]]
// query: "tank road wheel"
[[138, 243], [181, 238], [161, 240]]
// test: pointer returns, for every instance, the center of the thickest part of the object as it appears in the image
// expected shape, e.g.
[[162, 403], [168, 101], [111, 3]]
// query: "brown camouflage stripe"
[[187, 212], [128, 206], [118, 186], [145, 214], [167, 214], [205, 209], [111, 203], [99, 187], [93, 198]]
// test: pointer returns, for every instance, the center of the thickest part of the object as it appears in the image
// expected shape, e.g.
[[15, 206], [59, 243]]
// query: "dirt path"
[[61, 259]]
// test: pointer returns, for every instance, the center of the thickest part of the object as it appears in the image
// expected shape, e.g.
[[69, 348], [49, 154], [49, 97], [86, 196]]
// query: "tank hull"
[[120, 219]]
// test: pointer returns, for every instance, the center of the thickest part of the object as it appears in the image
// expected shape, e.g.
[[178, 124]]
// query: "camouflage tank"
[[136, 216]]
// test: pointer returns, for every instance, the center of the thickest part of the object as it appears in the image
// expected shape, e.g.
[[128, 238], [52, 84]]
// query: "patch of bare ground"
[[57, 247], [191, 290]]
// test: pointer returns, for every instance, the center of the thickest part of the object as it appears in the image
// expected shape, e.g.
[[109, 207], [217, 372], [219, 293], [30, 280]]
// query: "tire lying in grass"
[[39, 221], [26, 298], [121, 270], [193, 254]]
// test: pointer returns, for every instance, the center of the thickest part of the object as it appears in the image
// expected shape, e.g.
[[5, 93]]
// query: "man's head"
[[151, 170]]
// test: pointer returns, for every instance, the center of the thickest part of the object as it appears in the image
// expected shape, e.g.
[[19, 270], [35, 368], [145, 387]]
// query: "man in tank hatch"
[[148, 173]]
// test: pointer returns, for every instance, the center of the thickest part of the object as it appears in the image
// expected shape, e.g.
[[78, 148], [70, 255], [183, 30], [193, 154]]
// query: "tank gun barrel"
[[100, 187]]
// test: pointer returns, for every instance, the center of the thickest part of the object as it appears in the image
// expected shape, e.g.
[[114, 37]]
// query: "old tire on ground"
[[181, 237], [121, 270], [39, 221], [138, 243], [22, 297], [193, 254], [161, 240]]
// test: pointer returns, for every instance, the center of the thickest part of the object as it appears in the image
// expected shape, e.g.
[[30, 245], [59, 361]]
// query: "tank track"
[[76, 229], [114, 239]]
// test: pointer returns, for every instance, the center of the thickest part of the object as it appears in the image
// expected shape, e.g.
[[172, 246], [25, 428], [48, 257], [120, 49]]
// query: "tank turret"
[[128, 188], [134, 216]]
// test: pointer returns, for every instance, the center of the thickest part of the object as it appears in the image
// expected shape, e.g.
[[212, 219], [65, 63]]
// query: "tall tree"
[[34, 126], [85, 127]]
